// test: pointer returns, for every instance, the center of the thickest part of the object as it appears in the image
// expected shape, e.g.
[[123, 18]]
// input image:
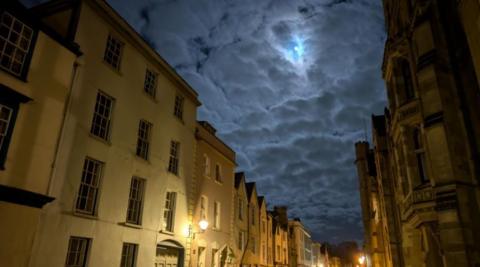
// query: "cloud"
[[292, 119]]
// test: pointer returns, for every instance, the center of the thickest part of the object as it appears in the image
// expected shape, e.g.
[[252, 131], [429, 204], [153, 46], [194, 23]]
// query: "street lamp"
[[361, 260], [203, 224]]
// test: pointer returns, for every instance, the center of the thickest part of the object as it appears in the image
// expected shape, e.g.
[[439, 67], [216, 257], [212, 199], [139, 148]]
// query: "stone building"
[[264, 237], [241, 222], [430, 148], [280, 246], [300, 244], [213, 200], [120, 185], [37, 68], [252, 252]]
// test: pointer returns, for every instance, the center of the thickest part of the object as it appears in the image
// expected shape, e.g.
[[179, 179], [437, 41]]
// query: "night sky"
[[289, 84]]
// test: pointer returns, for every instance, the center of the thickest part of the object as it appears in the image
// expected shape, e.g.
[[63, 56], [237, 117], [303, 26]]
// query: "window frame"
[[143, 140], [126, 252], [169, 211], [420, 156], [137, 202], [203, 207], [22, 75], [174, 157], [114, 37], [109, 118], [100, 166], [206, 165], [150, 83], [217, 213], [84, 254], [218, 173], [178, 108]]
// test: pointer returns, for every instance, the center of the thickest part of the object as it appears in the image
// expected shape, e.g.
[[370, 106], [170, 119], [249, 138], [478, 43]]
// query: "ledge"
[[23, 197]]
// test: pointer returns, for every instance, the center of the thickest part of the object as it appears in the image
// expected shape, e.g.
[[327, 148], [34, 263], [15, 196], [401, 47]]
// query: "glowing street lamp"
[[361, 260], [203, 224]]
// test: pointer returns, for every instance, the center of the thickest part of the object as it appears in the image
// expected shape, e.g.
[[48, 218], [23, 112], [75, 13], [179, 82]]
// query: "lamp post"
[[361, 260], [203, 225]]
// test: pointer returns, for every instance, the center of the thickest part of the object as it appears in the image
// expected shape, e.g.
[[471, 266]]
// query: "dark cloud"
[[293, 118]]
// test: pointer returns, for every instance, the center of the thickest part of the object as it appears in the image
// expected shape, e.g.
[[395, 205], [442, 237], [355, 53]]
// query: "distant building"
[[335, 262], [300, 244], [420, 180], [213, 198], [37, 68], [316, 254], [280, 236], [241, 222]]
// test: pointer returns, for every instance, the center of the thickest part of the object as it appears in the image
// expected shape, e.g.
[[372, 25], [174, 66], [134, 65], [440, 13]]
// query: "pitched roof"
[[260, 200], [238, 178], [250, 186]]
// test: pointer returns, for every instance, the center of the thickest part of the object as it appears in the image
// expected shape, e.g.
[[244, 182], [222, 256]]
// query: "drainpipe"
[[66, 114]]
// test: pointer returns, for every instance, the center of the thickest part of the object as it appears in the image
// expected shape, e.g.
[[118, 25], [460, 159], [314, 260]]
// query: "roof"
[[260, 200], [250, 187], [378, 123], [238, 178], [206, 132]]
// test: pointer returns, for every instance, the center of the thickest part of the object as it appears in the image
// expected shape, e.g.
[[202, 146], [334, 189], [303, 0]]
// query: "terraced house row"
[[102, 160]]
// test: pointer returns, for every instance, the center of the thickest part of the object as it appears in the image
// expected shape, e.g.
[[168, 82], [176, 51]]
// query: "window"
[[89, 186], [218, 173], [253, 215], [169, 212], [135, 200], [407, 79], [203, 207], [174, 157], [254, 245], [214, 257], [113, 52], [206, 164], [6, 118], [15, 41], [143, 141], [129, 255], [77, 252], [150, 84], [240, 209], [420, 156], [241, 240], [102, 116], [216, 215], [178, 109]]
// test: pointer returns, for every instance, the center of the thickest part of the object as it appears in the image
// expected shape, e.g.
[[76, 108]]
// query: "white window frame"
[[129, 255], [178, 106], [18, 40], [143, 139], [217, 212], [6, 121], [218, 172], [169, 212], [77, 251], [113, 52], [93, 171], [174, 161], [204, 208], [136, 200], [150, 83], [206, 165], [105, 117]]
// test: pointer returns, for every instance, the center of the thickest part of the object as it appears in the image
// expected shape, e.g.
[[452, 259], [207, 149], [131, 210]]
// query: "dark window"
[[150, 84], [407, 79], [77, 252], [15, 41], [89, 186], [420, 156], [113, 52], [135, 200], [129, 255], [218, 173], [102, 116], [9, 107], [174, 157], [178, 109], [169, 211], [143, 141]]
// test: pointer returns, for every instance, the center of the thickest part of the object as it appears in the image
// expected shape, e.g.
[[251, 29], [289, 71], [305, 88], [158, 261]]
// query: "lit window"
[[135, 200], [113, 52], [143, 141], [15, 41], [174, 157], [77, 252], [216, 215], [150, 84], [129, 255], [102, 116], [89, 186], [178, 109], [169, 212]]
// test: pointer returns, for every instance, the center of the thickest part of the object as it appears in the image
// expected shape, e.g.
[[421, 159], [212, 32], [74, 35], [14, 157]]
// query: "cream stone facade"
[[241, 222], [426, 150], [280, 239], [270, 239], [36, 72], [213, 200], [263, 236], [300, 244], [126, 154], [252, 253]]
